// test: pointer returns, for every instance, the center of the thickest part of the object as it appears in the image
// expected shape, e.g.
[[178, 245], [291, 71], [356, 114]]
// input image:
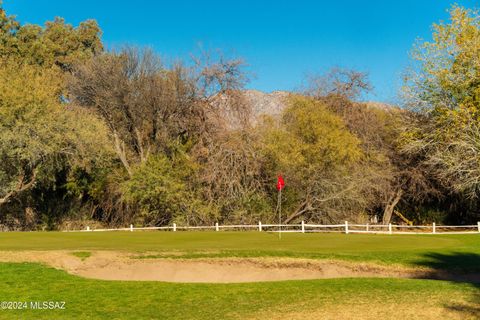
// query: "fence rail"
[[310, 228]]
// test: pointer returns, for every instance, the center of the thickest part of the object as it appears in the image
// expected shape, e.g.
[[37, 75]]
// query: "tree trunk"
[[120, 150], [393, 201], [302, 208], [21, 186]]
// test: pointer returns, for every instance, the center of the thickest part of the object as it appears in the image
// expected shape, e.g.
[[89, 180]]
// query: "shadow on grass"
[[457, 267]]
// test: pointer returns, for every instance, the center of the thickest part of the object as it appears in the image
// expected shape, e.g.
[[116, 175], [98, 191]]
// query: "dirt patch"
[[110, 265]]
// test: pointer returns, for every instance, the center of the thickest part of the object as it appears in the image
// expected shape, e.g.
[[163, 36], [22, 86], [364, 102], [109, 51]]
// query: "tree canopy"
[[443, 89], [113, 137], [56, 43]]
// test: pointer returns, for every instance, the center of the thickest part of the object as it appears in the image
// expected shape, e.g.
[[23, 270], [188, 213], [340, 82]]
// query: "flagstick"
[[279, 205]]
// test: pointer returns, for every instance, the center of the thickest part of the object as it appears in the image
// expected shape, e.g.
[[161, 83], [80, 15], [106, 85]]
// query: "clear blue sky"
[[280, 40]]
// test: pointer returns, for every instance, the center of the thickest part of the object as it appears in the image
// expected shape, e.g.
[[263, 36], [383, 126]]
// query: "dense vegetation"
[[120, 137]]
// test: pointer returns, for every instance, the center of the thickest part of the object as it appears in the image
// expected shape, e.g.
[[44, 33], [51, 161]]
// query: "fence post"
[[303, 226], [216, 226], [346, 227], [478, 225], [433, 228], [88, 228], [368, 227], [390, 228], [260, 226], [131, 227], [174, 227]]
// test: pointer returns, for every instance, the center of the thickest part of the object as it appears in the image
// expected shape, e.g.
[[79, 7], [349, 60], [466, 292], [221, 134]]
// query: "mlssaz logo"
[[48, 305]]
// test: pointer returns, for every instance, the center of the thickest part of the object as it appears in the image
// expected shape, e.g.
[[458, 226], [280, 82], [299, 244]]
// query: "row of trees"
[[119, 137]]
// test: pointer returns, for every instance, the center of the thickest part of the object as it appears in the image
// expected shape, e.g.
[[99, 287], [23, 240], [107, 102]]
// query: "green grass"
[[94, 299], [82, 254], [319, 299], [453, 251]]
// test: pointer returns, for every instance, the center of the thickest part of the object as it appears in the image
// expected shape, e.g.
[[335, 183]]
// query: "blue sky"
[[282, 41]]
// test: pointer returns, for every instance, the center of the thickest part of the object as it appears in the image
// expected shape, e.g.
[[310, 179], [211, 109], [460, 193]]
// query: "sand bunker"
[[109, 265]]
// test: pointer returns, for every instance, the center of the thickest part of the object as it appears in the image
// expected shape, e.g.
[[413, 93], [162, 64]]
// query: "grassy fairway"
[[312, 299], [453, 251], [331, 299]]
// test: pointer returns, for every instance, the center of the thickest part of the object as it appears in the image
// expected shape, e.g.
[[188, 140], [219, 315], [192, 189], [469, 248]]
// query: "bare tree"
[[347, 83], [151, 108], [146, 105]]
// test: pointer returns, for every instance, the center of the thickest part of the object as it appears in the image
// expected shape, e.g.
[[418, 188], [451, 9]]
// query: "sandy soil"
[[109, 265]]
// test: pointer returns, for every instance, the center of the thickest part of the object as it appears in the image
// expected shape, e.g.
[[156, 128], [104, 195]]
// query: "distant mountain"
[[272, 104], [262, 103]]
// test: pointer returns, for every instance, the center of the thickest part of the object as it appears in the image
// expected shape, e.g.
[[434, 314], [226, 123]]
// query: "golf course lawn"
[[440, 251], [352, 298], [348, 298]]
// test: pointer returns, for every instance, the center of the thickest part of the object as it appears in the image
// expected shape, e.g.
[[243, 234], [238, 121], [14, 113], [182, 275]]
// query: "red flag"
[[280, 183]]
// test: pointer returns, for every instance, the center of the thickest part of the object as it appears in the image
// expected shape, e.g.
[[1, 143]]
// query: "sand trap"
[[110, 265]]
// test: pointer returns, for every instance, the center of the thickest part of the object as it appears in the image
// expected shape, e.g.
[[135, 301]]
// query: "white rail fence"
[[309, 228]]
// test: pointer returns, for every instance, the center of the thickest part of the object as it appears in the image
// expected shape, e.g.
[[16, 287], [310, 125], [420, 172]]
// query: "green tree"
[[160, 187], [442, 89], [38, 133], [395, 178], [57, 43], [317, 155]]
